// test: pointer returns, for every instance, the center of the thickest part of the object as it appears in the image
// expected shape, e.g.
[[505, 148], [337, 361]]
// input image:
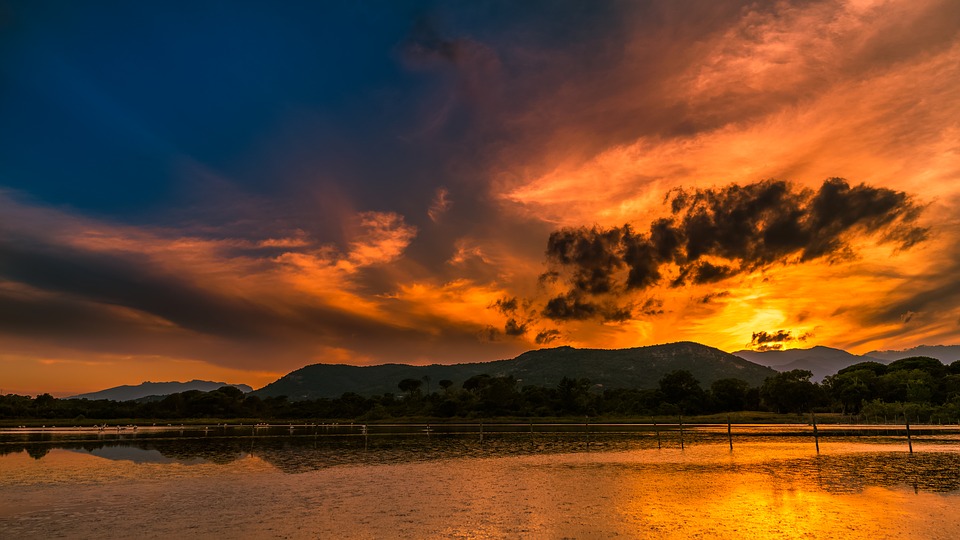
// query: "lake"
[[516, 481]]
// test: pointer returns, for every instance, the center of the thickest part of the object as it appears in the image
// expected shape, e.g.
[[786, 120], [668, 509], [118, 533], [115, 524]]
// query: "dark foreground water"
[[322, 482]]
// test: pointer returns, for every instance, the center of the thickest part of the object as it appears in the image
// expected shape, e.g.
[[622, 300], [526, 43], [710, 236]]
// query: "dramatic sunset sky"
[[232, 190]]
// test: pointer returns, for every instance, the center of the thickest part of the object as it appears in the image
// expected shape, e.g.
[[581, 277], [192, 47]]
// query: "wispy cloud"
[[489, 180], [440, 205]]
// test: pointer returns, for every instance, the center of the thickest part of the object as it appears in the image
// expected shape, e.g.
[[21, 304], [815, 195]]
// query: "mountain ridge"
[[823, 361], [145, 389], [638, 367], [819, 360], [943, 353]]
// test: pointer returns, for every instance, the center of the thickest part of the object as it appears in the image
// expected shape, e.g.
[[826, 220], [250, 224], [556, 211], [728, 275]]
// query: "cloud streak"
[[390, 197]]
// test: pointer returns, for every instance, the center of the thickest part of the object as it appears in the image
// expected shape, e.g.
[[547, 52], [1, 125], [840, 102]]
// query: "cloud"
[[506, 305], [545, 126], [514, 328], [742, 92], [475, 68], [547, 336], [575, 306], [920, 308], [121, 280], [382, 238], [763, 338], [713, 234], [908, 316], [710, 298], [76, 284], [488, 334], [653, 306], [440, 205], [775, 341]]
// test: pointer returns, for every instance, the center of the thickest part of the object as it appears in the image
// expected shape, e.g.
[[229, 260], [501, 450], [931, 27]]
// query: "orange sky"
[[515, 136]]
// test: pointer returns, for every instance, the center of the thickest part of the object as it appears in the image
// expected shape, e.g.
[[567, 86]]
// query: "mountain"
[[945, 353], [640, 367], [819, 360], [147, 389]]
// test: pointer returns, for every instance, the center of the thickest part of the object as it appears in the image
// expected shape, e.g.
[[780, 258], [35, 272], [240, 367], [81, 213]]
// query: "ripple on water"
[[547, 486]]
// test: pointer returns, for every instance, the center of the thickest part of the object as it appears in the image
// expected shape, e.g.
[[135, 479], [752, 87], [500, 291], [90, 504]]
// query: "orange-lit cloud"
[[443, 232]]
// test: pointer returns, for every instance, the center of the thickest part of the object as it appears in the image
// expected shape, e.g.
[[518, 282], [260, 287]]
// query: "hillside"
[[148, 389], [821, 361], [640, 367], [945, 353]]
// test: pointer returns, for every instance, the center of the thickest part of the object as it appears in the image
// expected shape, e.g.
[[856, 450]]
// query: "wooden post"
[[816, 435], [680, 419], [729, 433], [481, 432], [586, 427], [655, 428], [909, 440]]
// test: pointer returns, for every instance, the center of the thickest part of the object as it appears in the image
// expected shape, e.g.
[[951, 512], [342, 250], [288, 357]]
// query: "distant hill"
[[819, 360], [150, 389], [945, 353], [640, 367]]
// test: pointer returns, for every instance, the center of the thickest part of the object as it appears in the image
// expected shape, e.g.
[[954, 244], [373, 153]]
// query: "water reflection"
[[270, 483], [846, 466], [853, 473]]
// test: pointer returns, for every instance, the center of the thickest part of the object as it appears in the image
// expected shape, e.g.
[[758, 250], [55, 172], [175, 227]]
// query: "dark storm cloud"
[[122, 303], [130, 282], [506, 305], [29, 315], [653, 306], [774, 341], [514, 328], [80, 287], [546, 336], [709, 298], [596, 256], [762, 338], [746, 227], [575, 306]]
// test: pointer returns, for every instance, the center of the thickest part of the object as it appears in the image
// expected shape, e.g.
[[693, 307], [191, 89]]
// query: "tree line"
[[923, 388]]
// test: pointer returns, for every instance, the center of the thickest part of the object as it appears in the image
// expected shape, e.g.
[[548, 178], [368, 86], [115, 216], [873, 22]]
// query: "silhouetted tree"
[[476, 382], [790, 391], [852, 388], [682, 389], [410, 386], [574, 395], [730, 394]]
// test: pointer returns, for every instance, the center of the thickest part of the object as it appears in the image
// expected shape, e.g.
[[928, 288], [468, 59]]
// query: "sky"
[[233, 190]]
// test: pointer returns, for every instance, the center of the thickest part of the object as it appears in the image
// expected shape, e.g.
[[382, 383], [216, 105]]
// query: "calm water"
[[317, 482]]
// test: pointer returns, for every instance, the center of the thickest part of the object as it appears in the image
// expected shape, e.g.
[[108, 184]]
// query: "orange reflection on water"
[[729, 505], [779, 491], [460, 488]]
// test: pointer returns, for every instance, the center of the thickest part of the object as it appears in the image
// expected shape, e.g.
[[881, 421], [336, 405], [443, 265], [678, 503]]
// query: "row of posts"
[[428, 430], [656, 428]]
